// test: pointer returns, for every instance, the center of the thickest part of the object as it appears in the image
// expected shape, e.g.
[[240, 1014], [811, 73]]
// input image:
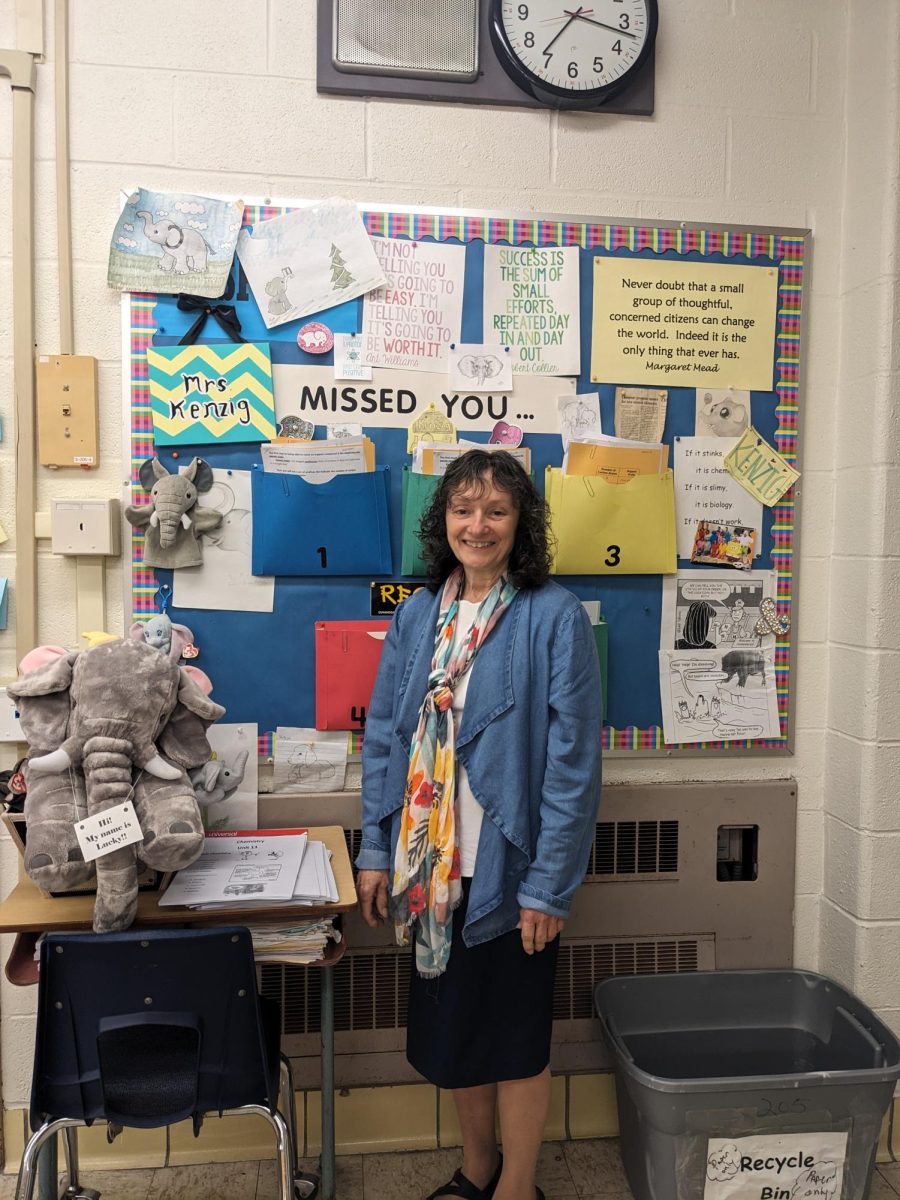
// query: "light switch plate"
[[10, 729], [67, 410]]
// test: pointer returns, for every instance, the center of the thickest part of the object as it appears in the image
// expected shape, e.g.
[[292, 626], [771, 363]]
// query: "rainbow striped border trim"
[[786, 250]]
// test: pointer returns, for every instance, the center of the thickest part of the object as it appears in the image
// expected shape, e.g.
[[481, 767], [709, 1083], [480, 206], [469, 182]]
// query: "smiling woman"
[[481, 778]]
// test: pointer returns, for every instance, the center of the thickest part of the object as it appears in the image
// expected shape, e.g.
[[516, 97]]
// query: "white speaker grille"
[[423, 39]]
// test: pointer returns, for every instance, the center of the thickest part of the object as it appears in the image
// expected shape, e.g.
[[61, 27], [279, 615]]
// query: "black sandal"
[[464, 1189]]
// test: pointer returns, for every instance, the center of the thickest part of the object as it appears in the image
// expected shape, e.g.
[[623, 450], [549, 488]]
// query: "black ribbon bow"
[[223, 313]]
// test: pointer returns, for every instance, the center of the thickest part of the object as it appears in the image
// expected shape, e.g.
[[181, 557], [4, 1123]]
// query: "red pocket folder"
[[347, 657]]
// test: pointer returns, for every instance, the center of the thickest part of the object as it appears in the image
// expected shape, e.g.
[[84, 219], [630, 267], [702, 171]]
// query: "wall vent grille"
[[634, 850], [370, 989]]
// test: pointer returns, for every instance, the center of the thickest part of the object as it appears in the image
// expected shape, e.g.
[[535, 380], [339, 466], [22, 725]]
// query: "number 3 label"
[[615, 556]]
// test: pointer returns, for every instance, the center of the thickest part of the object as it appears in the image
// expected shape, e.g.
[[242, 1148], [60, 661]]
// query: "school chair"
[[149, 1027]]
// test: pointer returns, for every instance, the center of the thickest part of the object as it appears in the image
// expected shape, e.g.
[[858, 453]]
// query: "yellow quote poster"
[[683, 324]]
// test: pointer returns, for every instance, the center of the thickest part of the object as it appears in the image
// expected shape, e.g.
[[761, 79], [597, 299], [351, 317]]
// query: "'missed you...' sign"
[[217, 393]]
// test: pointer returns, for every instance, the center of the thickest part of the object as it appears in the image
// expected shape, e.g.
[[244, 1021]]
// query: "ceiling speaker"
[[424, 39]]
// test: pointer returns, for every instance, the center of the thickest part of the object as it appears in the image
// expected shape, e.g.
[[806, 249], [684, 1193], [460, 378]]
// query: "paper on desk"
[[317, 462], [641, 413], [240, 867], [316, 883], [309, 760]]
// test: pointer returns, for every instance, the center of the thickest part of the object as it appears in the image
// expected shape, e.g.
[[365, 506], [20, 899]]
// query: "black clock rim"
[[539, 88]]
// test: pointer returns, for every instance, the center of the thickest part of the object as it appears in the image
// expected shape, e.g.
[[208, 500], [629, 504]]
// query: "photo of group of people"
[[724, 545]]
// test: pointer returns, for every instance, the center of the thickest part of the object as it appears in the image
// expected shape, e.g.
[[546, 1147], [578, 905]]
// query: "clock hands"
[[578, 15], [572, 17]]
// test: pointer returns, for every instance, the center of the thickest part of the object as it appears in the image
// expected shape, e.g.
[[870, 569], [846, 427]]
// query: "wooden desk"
[[27, 910]]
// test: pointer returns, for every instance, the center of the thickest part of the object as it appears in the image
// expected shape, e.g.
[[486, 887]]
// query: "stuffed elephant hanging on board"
[[117, 721], [173, 518]]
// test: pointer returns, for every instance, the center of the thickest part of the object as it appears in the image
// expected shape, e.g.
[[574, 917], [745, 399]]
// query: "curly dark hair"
[[476, 470]]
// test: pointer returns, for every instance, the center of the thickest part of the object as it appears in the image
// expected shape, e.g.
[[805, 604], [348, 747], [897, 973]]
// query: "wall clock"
[[573, 55]]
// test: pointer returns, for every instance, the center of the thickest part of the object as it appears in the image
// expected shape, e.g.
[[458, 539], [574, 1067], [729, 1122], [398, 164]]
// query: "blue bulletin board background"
[[263, 664]]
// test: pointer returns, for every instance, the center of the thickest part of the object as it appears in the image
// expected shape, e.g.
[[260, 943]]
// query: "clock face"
[[567, 49]]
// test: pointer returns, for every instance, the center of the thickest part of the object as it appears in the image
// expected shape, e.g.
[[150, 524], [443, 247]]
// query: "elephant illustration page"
[[170, 242], [309, 760], [717, 695], [223, 580], [308, 260]]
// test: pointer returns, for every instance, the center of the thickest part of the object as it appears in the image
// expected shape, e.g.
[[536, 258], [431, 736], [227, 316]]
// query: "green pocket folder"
[[417, 493], [601, 637]]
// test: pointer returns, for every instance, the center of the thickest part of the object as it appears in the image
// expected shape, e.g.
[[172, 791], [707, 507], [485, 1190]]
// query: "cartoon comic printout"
[[308, 260], [708, 610], [718, 695], [169, 242]]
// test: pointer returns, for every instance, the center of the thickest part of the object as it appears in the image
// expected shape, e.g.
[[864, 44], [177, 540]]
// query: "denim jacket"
[[529, 739]]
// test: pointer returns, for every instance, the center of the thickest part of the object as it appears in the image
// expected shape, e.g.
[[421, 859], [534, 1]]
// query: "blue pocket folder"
[[335, 528]]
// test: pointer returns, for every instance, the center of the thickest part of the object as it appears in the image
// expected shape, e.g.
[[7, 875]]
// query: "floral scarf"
[[426, 885]]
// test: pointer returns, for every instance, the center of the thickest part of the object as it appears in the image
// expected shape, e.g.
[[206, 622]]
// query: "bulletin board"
[[263, 664]]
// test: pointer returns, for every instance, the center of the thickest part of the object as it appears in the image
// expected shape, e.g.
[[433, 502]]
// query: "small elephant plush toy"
[[216, 781], [173, 518], [118, 721]]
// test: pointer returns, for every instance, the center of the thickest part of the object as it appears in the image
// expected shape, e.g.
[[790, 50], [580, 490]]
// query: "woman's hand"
[[372, 893], [538, 928]]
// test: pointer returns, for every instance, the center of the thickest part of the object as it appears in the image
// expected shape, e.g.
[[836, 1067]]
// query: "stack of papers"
[[316, 883], [300, 942], [433, 458], [317, 462], [616, 460], [254, 868]]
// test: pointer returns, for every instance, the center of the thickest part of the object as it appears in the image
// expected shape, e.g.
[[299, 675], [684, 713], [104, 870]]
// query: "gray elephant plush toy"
[[215, 781], [117, 721], [174, 519]]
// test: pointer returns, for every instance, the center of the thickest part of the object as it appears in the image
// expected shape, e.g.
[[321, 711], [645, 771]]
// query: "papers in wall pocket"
[[417, 493], [612, 529], [335, 528], [347, 658], [4, 602], [318, 462]]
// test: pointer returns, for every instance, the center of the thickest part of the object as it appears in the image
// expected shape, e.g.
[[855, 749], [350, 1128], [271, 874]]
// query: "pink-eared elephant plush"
[[114, 722]]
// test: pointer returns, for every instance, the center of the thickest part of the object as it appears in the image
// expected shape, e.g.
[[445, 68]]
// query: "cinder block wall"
[[769, 112]]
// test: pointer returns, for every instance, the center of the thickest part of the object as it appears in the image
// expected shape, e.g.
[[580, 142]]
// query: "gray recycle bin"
[[747, 1085]]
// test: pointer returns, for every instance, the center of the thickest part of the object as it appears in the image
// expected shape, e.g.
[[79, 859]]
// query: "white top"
[[469, 813]]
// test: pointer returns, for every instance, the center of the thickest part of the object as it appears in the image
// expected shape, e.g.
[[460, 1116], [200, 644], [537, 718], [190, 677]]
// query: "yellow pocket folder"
[[612, 529]]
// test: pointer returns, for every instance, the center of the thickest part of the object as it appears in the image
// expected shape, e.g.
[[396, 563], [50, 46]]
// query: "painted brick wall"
[[752, 123]]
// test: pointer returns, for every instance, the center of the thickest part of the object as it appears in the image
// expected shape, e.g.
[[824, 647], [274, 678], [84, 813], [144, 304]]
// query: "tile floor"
[[585, 1170]]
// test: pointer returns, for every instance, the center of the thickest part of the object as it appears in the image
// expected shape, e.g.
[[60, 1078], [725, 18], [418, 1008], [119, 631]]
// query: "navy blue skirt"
[[489, 1017]]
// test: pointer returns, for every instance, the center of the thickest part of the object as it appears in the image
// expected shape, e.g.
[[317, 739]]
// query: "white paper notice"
[[108, 831], [481, 367], [411, 321], [308, 260], [342, 456], [226, 787], [531, 304], [641, 413], [799, 1166], [223, 580], [579, 417], [704, 490], [309, 760], [718, 695], [348, 360]]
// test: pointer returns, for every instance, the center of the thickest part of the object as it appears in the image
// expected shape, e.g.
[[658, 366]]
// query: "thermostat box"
[[84, 526]]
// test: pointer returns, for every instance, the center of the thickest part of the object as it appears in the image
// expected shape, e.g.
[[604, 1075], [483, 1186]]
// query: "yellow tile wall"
[[367, 1120]]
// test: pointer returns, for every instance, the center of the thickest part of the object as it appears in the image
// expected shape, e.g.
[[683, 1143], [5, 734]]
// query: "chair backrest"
[[145, 1028]]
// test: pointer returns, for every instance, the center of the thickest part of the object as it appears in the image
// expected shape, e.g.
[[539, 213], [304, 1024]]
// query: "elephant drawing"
[[184, 250], [117, 722], [174, 519]]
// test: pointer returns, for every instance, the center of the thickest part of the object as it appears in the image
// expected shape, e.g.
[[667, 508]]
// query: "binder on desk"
[[347, 658], [605, 528], [334, 528]]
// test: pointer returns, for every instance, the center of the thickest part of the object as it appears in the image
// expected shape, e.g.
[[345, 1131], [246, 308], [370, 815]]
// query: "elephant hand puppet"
[[174, 518], [215, 781], [92, 719]]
